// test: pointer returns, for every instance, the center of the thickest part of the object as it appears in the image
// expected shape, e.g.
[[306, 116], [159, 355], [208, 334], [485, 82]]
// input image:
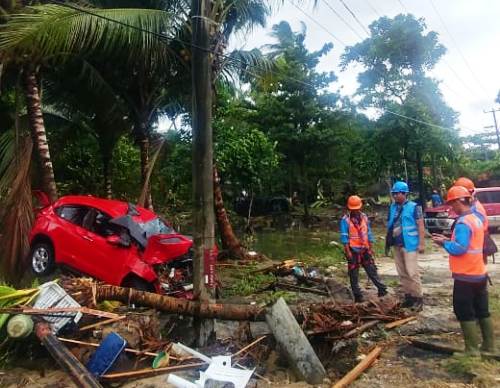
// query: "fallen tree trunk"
[[181, 306], [230, 242]]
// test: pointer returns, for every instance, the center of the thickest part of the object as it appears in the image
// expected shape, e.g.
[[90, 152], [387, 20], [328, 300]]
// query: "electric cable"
[[342, 19], [167, 38]]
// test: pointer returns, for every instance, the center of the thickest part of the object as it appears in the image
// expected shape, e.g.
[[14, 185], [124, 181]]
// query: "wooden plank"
[[294, 344], [151, 372], [358, 369], [58, 310], [102, 323], [399, 322]]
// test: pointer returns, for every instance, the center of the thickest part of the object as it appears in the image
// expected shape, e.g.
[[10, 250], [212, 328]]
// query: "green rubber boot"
[[488, 345], [471, 338]]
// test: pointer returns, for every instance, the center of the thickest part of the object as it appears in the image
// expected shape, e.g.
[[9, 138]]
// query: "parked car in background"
[[441, 218], [113, 241]]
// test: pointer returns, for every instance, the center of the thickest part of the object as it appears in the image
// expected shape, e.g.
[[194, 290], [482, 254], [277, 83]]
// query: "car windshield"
[[155, 226], [488, 196]]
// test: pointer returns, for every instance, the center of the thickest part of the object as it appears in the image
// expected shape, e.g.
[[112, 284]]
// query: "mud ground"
[[400, 364]]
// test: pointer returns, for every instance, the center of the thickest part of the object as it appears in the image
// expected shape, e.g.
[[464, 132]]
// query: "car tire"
[[42, 259], [138, 284]]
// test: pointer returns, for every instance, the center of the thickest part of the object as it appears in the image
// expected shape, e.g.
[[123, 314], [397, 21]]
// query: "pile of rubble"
[[91, 328]]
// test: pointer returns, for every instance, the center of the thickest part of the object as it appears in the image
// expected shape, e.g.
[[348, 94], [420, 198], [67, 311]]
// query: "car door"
[[102, 258], [67, 234]]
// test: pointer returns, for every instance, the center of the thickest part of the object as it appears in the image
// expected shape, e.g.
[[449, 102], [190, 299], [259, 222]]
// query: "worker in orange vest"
[[470, 292], [357, 238], [476, 206]]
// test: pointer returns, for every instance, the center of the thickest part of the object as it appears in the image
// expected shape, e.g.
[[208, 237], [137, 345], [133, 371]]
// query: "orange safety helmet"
[[465, 182], [457, 192], [354, 202]]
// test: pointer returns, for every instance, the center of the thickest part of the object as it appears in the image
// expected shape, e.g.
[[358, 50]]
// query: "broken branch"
[[399, 322]]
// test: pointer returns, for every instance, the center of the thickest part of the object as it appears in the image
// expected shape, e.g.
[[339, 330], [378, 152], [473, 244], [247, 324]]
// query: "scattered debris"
[[358, 369], [66, 360], [219, 369], [106, 354], [52, 295]]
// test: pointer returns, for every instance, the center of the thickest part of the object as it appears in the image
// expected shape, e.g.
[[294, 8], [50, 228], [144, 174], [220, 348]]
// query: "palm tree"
[[48, 33], [91, 104]]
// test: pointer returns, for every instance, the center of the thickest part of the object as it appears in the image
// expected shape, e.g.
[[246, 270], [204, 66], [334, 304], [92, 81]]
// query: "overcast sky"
[[470, 69]]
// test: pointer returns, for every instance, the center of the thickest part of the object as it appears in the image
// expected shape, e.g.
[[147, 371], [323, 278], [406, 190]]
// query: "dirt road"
[[403, 365]]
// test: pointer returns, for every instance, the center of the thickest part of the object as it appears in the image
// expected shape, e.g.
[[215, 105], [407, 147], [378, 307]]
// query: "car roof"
[[480, 189], [112, 207]]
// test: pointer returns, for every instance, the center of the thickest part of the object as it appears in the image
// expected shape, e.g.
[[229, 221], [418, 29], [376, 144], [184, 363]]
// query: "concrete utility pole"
[[495, 121], [203, 212]]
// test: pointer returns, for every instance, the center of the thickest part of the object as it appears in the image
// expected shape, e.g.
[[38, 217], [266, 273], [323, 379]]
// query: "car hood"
[[439, 209], [163, 248]]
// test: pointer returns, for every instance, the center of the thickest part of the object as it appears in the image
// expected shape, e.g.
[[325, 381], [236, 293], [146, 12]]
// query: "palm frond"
[[16, 214], [245, 64], [47, 30]]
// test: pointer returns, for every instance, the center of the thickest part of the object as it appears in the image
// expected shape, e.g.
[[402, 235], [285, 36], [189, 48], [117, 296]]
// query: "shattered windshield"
[[155, 226]]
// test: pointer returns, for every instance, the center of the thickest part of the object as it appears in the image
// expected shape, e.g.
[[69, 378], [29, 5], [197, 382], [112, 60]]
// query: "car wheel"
[[42, 259], [138, 284]]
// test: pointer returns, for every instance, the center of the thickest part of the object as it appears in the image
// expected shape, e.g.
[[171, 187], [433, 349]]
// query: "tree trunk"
[[180, 306], [229, 240], [420, 177], [435, 183], [144, 146], [106, 172], [203, 191], [37, 127]]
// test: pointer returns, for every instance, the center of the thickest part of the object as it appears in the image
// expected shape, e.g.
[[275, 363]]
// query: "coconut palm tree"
[[48, 34]]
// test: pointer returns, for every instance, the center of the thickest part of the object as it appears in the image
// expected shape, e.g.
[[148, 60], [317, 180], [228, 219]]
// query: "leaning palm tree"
[[48, 34]]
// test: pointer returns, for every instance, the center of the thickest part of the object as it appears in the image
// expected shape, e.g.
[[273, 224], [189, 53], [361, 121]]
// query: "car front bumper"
[[494, 221], [439, 224]]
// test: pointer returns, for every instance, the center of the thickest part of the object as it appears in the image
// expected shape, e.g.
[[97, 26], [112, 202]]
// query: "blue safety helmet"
[[400, 187]]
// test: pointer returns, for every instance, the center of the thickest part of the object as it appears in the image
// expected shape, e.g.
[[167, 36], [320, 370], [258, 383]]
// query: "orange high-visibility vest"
[[478, 206], [358, 235], [470, 263]]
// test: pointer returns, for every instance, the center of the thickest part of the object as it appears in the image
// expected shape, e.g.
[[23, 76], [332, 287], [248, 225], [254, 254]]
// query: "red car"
[[116, 242], [439, 219]]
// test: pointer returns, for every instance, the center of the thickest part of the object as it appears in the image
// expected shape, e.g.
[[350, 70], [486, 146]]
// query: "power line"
[[456, 46], [355, 17], [319, 25], [342, 19], [403, 5], [448, 65], [167, 38], [373, 8]]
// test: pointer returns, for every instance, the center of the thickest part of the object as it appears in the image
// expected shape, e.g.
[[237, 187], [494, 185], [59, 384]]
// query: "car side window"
[[72, 213], [102, 226]]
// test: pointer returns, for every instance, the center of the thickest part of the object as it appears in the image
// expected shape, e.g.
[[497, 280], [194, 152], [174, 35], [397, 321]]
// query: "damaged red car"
[[114, 241]]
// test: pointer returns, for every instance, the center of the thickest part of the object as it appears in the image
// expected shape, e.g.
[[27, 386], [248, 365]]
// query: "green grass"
[[482, 373]]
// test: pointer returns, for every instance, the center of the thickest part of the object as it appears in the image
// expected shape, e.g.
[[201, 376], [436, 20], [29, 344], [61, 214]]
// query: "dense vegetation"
[[89, 93]]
